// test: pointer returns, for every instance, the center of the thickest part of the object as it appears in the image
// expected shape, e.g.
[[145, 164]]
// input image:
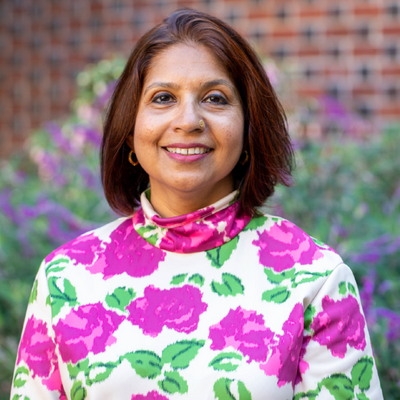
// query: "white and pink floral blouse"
[[207, 305]]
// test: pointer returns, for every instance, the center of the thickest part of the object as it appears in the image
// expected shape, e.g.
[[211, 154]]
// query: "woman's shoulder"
[[84, 246], [280, 239]]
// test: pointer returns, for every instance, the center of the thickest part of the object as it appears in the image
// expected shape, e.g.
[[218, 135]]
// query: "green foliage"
[[346, 194]]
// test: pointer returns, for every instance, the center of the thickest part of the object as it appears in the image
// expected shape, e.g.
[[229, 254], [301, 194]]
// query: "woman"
[[197, 295]]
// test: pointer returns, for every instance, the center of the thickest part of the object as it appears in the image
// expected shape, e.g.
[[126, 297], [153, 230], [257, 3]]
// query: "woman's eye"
[[216, 99], [162, 98]]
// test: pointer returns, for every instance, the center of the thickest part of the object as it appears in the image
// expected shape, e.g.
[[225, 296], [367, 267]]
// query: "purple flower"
[[177, 308], [284, 362], [246, 332], [153, 395], [37, 350], [127, 252], [338, 325], [284, 245], [90, 328]]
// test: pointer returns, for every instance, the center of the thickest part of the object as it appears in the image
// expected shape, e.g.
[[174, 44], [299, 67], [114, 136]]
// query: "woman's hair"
[[265, 137]]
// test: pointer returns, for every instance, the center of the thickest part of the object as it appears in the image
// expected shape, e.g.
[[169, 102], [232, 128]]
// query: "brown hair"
[[265, 136]]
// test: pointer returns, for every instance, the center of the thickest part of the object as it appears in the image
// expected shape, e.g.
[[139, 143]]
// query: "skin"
[[180, 89]]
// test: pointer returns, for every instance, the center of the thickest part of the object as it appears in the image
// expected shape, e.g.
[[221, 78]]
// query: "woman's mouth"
[[188, 151]]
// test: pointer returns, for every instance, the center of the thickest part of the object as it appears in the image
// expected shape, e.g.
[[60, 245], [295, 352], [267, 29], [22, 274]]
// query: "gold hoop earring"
[[246, 158], [134, 163], [202, 124]]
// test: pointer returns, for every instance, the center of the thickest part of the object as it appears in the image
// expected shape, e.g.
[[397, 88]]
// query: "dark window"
[[36, 109], [393, 92], [207, 2], [280, 52], [55, 91], [116, 39], [308, 33], [232, 16], [393, 10], [55, 25], [364, 110], [17, 28], [333, 91], [335, 51], [94, 57], [282, 13], [96, 23], [54, 59], [36, 76], [118, 7], [36, 43], [16, 60], [257, 34], [16, 124], [335, 11], [364, 72], [363, 31], [309, 72], [137, 20], [37, 10], [392, 51], [75, 40]]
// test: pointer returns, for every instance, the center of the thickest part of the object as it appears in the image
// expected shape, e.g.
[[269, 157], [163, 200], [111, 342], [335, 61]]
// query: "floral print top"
[[207, 305]]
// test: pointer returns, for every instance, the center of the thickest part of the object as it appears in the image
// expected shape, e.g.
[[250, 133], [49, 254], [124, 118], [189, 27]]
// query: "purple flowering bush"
[[346, 194]]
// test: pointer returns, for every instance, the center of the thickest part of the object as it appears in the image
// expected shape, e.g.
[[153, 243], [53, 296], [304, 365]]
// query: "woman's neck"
[[169, 203]]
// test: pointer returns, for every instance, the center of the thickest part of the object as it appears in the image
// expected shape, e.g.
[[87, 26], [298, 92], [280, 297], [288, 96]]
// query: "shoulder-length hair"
[[265, 134]]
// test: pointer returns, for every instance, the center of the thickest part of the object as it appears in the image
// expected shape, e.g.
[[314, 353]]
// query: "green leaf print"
[[307, 276], [99, 371], [277, 295], [120, 298], [256, 222], [308, 316], [310, 395], [74, 369], [54, 266], [61, 294], [21, 375], [33, 295], [78, 392], [173, 383], [181, 353], [362, 396], [220, 255], [222, 389], [147, 364], [222, 362], [339, 386], [148, 233], [197, 279], [278, 278], [361, 374], [19, 397], [177, 279], [342, 288], [352, 289], [231, 286], [244, 394]]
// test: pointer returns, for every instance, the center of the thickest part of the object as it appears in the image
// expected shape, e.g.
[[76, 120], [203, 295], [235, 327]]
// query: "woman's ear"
[[129, 141]]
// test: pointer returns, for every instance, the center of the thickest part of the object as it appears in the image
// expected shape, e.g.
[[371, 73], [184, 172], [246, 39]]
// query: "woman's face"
[[186, 84]]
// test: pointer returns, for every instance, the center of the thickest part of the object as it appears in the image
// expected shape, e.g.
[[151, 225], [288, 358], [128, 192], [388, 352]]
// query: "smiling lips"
[[188, 151]]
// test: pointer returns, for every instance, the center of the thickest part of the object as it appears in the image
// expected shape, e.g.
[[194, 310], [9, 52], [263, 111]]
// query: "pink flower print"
[[286, 353], [246, 332], [201, 235], [37, 350], [177, 308], [153, 395], [82, 250], [90, 328], [284, 245], [127, 252], [338, 325]]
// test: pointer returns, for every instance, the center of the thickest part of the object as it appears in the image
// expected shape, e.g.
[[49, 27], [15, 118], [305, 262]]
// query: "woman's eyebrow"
[[205, 85], [167, 85], [216, 82]]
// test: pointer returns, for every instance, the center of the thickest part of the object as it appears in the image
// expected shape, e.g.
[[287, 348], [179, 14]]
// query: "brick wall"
[[349, 49]]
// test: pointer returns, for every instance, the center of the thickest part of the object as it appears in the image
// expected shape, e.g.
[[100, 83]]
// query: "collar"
[[201, 230]]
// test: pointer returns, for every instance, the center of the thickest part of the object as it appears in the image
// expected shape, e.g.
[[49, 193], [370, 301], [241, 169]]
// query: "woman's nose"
[[188, 117]]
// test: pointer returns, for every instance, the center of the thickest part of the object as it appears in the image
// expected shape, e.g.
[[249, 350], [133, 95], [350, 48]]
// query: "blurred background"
[[336, 68]]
